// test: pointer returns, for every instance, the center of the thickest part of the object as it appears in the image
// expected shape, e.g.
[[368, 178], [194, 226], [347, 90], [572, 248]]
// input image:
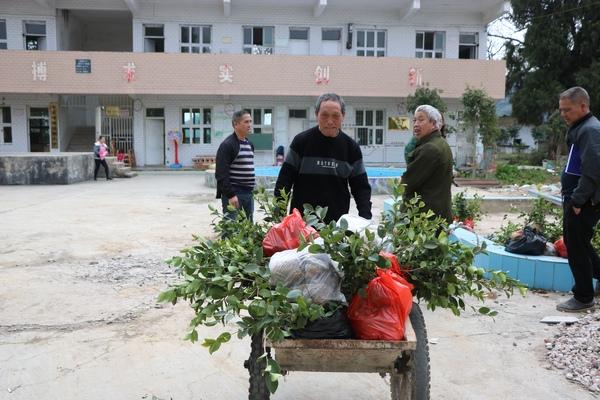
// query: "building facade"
[[148, 72]]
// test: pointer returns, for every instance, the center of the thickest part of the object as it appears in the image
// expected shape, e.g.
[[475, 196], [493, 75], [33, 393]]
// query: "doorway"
[[155, 137], [39, 130]]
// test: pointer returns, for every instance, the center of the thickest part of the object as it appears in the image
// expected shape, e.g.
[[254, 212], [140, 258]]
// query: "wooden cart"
[[407, 361]]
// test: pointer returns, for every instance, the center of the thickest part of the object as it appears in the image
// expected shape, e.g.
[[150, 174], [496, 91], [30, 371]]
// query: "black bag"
[[531, 243], [336, 326]]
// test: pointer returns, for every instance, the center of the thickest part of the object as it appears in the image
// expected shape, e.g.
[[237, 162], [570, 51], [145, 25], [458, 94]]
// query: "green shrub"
[[511, 174], [464, 209]]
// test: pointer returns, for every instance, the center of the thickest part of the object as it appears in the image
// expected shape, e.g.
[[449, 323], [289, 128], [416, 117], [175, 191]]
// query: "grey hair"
[[330, 97], [576, 94], [237, 116], [432, 113]]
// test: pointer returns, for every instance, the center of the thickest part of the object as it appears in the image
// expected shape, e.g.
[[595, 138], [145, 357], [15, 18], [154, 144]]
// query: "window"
[[331, 34], [331, 41], [369, 127], [258, 39], [298, 113], [155, 112], [468, 46], [154, 39], [5, 125], [370, 43], [429, 45], [195, 39], [196, 125], [3, 44], [298, 33], [35, 35], [262, 120]]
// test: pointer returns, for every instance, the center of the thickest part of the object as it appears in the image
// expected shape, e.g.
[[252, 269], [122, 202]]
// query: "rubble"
[[575, 350]]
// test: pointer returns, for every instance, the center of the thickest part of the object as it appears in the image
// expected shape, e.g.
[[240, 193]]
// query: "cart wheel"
[[258, 387], [422, 378]]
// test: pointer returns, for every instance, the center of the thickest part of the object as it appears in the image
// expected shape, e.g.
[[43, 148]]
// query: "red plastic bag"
[[285, 235], [395, 264], [381, 315], [560, 247]]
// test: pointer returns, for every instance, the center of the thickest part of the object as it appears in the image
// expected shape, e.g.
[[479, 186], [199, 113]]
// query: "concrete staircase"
[[117, 169], [82, 140]]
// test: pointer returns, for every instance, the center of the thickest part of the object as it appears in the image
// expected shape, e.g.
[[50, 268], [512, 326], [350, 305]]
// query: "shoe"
[[109, 179], [574, 305]]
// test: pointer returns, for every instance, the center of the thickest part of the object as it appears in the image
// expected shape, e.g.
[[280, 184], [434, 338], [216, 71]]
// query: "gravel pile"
[[575, 349], [128, 271]]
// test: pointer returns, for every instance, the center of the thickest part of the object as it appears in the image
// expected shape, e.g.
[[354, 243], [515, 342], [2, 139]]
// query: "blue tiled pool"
[[379, 178]]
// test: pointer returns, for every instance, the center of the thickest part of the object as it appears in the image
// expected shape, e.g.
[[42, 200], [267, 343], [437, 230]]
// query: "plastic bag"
[[285, 235], [336, 326], [561, 248], [314, 274], [530, 243], [381, 315]]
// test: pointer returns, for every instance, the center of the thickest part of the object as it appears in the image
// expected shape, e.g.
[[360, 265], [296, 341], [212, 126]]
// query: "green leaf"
[[224, 337], [294, 294], [167, 296]]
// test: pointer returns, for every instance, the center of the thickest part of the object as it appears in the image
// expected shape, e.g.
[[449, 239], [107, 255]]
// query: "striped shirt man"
[[241, 171]]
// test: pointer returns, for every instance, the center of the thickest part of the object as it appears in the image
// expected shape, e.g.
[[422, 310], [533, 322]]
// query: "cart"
[[407, 361]]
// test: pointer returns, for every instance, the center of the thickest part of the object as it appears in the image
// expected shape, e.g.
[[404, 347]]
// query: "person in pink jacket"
[[100, 153]]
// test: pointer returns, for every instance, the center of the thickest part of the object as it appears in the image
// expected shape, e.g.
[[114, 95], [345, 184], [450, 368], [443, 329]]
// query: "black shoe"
[[574, 305], [95, 179], [109, 179]]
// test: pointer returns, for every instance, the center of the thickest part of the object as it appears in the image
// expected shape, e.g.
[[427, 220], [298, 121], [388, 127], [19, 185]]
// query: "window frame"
[[153, 37], [40, 39], [202, 126], [422, 52], [377, 51], [252, 48], [202, 46], [3, 41], [473, 47], [4, 124], [262, 127], [323, 30], [375, 131], [299, 29]]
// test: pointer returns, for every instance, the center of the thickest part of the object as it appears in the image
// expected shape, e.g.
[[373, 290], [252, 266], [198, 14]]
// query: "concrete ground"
[[81, 267]]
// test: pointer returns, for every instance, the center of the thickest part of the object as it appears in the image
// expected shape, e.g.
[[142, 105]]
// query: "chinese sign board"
[[83, 66]]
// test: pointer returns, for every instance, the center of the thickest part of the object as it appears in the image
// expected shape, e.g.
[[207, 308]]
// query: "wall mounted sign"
[[83, 66], [225, 73], [322, 75], [53, 114], [129, 73], [39, 70]]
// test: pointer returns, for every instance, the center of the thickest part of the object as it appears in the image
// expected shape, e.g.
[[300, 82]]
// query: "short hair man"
[[429, 169], [324, 165], [235, 167], [580, 183]]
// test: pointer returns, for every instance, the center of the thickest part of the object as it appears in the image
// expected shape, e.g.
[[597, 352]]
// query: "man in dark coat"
[[324, 165], [429, 171], [580, 183]]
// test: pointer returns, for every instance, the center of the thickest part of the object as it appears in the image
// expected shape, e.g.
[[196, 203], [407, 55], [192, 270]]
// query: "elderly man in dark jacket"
[[429, 171], [580, 183]]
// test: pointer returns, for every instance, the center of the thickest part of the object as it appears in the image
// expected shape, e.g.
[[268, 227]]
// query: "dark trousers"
[[578, 231], [246, 201], [98, 163]]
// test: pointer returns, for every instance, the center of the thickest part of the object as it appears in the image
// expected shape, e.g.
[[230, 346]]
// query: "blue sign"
[[83, 66]]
